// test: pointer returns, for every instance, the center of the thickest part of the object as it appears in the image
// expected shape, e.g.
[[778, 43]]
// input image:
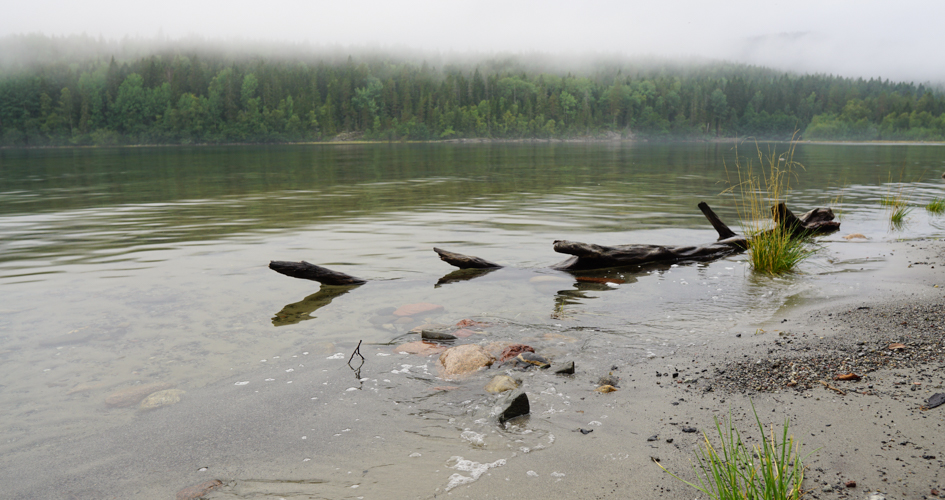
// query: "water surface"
[[130, 266]]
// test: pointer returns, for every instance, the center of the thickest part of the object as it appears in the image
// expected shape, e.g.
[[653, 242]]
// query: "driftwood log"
[[304, 270], [588, 256]]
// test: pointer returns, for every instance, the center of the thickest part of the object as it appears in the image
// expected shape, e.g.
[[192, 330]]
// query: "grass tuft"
[[770, 249], [936, 206], [733, 470]]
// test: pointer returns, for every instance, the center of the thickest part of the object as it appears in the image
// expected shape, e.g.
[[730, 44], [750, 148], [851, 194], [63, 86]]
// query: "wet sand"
[[291, 443]]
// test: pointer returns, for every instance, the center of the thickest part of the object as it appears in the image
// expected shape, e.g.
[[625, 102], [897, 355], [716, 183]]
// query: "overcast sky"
[[899, 40]]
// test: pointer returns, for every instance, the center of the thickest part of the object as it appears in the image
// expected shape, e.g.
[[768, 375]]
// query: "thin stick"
[[832, 388]]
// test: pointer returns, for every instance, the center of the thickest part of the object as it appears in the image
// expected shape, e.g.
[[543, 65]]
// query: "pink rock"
[[464, 359], [418, 308]]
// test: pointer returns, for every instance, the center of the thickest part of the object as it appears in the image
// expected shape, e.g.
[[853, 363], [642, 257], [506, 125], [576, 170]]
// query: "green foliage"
[[733, 470], [761, 186], [936, 206], [212, 98]]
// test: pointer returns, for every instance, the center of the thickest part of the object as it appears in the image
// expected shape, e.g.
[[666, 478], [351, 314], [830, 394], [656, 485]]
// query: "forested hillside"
[[181, 97]]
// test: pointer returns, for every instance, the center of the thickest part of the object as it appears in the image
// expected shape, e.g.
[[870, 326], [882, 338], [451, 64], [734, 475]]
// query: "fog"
[[867, 38]]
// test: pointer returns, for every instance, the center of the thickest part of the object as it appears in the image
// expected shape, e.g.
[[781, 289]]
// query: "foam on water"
[[475, 470]]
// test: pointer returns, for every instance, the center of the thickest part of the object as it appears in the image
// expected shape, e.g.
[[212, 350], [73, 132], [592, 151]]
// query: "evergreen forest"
[[204, 96]]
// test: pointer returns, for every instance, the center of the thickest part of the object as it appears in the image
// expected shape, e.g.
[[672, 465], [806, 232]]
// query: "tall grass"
[[732, 470], [762, 185]]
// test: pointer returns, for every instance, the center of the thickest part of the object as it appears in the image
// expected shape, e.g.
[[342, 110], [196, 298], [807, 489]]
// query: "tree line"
[[188, 98]]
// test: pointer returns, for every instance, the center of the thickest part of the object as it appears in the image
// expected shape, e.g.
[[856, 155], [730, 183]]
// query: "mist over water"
[[866, 39]]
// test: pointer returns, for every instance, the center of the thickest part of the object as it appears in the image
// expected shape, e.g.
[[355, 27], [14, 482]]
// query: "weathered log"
[[723, 230], [813, 223], [464, 261], [304, 270], [590, 256]]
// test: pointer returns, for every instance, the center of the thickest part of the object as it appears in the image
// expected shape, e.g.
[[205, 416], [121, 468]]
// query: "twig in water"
[[357, 371]]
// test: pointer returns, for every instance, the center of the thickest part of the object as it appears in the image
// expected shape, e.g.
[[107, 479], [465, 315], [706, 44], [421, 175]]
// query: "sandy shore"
[[875, 434]]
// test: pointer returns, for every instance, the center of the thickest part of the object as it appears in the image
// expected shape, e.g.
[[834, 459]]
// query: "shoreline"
[[615, 139]]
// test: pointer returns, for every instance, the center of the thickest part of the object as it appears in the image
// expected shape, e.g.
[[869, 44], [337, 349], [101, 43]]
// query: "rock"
[[420, 348], [161, 398], [527, 360], [464, 359], [437, 336], [515, 405], [690, 429], [465, 332], [513, 351], [586, 431], [564, 368], [609, 379], [605, 389], [654, 437], [130, 396], [937, 399], [850, 484], [501, 383], [876, 496], [198, 490], [417, 309], [468, 323]]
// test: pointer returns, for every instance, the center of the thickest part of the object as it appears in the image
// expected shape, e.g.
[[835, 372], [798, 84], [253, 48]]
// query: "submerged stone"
[[198, 490], [418, 308], [130, 396], [501, 383], [464, 359], [161, 398]]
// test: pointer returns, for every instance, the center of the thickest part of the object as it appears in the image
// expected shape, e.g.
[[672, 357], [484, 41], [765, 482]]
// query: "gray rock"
[[437, 335], [563, 368]]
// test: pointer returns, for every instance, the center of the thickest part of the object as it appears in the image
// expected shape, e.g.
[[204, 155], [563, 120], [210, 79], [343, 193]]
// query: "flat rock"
[[130, 396], [198, 490], [464, 359], [513, 351], [420, 348], [418, 308], [161, 398], [501, 383]]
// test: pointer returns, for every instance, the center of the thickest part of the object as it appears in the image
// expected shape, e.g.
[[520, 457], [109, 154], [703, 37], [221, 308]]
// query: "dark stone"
[[936, 400], [516, 405], [654, 437], [690, 429], [669, 440], [565, 368], [586, 431], [526, 360], [928, 457], [437, 336]]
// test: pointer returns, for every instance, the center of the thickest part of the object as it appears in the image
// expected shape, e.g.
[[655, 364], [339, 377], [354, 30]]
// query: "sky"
[[901, 40]]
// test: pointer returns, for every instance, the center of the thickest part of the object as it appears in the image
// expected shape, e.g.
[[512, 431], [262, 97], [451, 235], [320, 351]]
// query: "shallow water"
[[131, 266]]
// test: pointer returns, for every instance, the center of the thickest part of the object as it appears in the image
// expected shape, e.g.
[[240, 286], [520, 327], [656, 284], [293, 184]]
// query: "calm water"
[[141, 265]]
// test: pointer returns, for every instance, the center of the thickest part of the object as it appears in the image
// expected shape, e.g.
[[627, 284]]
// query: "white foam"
[[337, 355], [475, 470], [474, 438], [242, 383]]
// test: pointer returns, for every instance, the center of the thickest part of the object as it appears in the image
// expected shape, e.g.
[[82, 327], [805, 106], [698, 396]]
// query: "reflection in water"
[[463, 275], [303, 309]]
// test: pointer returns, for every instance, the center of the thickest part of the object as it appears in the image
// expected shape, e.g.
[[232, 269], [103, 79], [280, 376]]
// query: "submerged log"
[[304, 270], [464, 261]]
